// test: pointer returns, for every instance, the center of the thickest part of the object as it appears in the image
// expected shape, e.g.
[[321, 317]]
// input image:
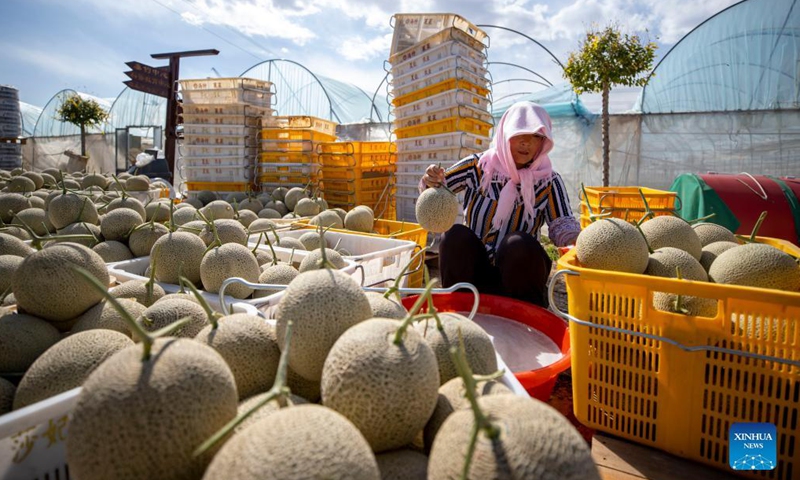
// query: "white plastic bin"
[[225, 84], [446, 156], [461, 111], [216, 110], [134, 270], [442, 141], [253, 121], [217, 174], [424, 81], [447, 55], [412, 28], [220, 140], [219, 129], [209, 162], [381, 258], [217, 151], [258, 98], [448, 99]]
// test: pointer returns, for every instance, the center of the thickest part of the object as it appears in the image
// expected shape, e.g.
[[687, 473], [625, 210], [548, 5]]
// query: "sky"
[[50, 45]]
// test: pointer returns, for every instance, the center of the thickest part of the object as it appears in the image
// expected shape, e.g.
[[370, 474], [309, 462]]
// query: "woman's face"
[[524, 148]]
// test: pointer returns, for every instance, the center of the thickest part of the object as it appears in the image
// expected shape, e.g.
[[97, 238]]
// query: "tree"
[[607, 58], [81, 113]]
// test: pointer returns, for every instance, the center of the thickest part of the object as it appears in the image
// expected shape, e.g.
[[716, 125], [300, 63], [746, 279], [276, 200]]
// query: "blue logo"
[[752, 446]]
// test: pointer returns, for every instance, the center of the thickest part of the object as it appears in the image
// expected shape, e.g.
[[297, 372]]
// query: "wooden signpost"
[[163, 82]]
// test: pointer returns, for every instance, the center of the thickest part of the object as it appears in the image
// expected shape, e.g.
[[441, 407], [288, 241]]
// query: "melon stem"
[[36, 240], [639, 227], [212, 316], [412, 314], [395, 288], [271, 249], [648, 212], [278, 391], [152, 280], [324, 246], [490, 377], [701, 219], [121, 188], [757, 226], [171, 217], [214, 243], [482, 422], [679, 298], [146, 338]]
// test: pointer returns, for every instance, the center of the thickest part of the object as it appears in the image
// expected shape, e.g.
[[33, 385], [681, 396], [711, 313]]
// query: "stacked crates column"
[[10, 128], [440, 96], [221, 122], [359, 173], [288, 155]]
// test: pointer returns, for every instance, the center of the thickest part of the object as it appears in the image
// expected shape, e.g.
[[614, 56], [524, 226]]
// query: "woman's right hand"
[[434, 176]]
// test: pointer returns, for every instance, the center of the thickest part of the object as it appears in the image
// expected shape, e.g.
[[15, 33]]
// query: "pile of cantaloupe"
[[668, 246]]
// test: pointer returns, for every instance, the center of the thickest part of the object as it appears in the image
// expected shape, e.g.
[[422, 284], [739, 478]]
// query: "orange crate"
[[218, 186], [445, 125], [288, 157], [437, 88], [356, 154], [625, 202], [291, 134]]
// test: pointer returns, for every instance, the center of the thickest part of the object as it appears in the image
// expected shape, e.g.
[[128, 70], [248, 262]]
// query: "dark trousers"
[[520, 271]]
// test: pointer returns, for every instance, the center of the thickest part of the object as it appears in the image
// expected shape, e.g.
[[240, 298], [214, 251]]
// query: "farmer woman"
[[510, 191]]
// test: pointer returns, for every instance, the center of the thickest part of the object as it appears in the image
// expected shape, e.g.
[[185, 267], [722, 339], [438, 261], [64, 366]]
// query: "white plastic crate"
[[288, 146], [433, 79], [225, 84], [259, 98], [430, 43], [216, 161], [217, 174], [301, 122], [199, 129], [134, 270], [445, 51], [461, 111], [235, 140], [215, 111], [432, 68], [217, 151], [442, 141], [252, 121], [426, 157], [287, 168], [448, 99], [413, 28], [381, 258]]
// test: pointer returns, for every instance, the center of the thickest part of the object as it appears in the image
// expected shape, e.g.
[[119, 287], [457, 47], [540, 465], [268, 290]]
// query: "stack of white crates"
[[10, 128], [221, 124], [440, 94]]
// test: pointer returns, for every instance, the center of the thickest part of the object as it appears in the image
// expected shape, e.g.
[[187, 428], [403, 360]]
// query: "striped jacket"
[[552, 206]]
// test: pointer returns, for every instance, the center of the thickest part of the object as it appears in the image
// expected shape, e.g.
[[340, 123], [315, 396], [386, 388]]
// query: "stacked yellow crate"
[[440, 96], [221, 120], [359, 173], [288, 155]]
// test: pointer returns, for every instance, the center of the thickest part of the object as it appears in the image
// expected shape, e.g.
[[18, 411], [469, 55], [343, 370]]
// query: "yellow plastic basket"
[[437, 88], [217, 186], [676, 382], [291, 134], [392, 229], [356, 154], [288, 157], [625, 202], [301, 122], [445, 125]]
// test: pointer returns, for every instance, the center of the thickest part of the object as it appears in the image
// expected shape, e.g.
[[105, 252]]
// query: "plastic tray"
[[215, 161], [252, 121], [315, 124], [445, 125], [295, 134], [217, 186], [225, 84], [426, 31], [447, 156], [217, 174], [630, 378], [134, 270], [235, 140], [446, 56], [258, 98], [287, 157], [217, 151], [192, 129], [215, 111], [381, 259], [461, 111], [439, 142], [437, 88], [288, 146], [424, 81], [287, 169]]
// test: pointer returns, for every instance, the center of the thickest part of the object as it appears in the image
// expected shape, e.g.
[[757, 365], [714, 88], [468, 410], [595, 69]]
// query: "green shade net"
[[698, 200]]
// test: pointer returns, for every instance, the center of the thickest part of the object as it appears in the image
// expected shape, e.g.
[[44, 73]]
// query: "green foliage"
[[81, 112], [607, 58]]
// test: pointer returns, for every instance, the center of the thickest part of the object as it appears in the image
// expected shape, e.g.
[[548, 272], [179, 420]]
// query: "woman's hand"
[[434, 176]]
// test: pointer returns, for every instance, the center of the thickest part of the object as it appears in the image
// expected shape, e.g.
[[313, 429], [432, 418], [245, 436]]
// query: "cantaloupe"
[[23, 338], [436, 209], [534, 441], [280, 274], [279, 194], [138, 290], [7, 390], [36, 219], [178, 253], [94, 235], [669, 231], [69, 208], [359, 220], [105, 316], [127, 202], [229, 260], [278, 206], [709, 233], [126, 428], [664, 261], [142, 239], [252, 204], [166, 312], [218, 210], [383, 307], [137, 183], [756, 265], [311, 240], [119, 223], [265, 410], [67, 364], [322, 304], [8, 265], [182, 216], [302, 442], [327, 218], [313, 260], [36, 178], [157, 210], [290, 242], [306, 207], [293, 196], [11, 203], [21, 184], [10, 245], [402, 464], [612, 244], [46, 285], [112, 251], [246, 217]]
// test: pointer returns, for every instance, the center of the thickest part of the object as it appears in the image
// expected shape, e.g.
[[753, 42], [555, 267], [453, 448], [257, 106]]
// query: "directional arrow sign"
[[152, 80]]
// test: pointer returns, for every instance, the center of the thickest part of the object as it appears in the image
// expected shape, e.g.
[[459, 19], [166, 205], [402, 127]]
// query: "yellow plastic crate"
[[653, 392], [286, 178], [287, 146], [301, 122], [625, 202], [218, 186], [356, 154], [355, 174], [445, 125], [437, 88], [291, 134], [392, 229], [288, 157]]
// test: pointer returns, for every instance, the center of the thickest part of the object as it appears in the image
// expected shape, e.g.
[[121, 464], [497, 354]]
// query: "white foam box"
[[379, 260], [134, 270]]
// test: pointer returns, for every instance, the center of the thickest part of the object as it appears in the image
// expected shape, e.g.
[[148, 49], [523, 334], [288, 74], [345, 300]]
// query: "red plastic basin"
[[538, 383]]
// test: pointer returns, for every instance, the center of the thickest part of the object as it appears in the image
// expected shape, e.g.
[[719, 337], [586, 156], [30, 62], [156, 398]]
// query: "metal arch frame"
[[375, 95], [55, 95], [520, 80], [520, 66], [273, 60], [644, 88], [529, 38], [513, 95]]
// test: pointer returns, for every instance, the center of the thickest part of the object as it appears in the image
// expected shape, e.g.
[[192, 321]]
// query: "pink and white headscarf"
[[498, 164]]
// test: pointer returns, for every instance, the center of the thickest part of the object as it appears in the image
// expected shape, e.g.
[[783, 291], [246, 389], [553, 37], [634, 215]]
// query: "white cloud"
[[356, 48], [678, 18], [61, 64]]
